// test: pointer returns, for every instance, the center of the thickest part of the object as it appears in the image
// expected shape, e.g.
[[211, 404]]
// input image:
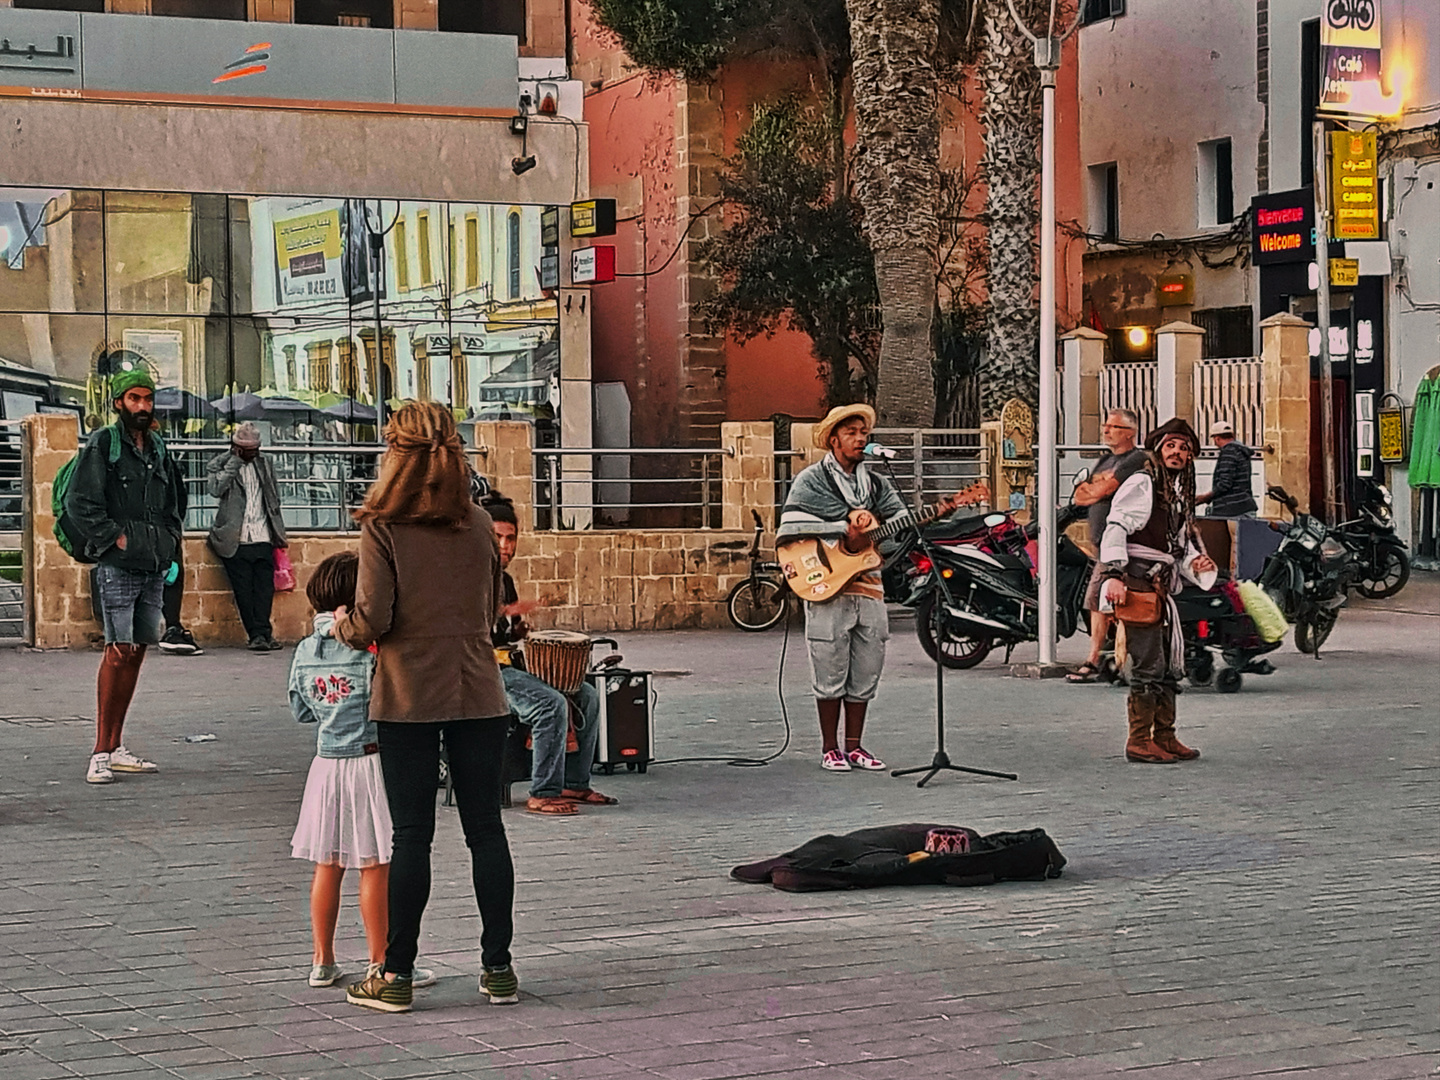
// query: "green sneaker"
[[375, 993], [501, 984]]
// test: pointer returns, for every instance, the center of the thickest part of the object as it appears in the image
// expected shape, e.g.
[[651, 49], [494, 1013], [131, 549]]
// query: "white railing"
[[1131, 386], [1232, 390], [12, 524]]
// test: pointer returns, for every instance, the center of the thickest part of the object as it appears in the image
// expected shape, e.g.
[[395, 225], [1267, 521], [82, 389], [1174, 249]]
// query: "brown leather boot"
[[1164, 736], [1139, 747]]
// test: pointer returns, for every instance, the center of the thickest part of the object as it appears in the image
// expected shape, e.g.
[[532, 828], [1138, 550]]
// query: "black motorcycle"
[[1383, 564], [1308, 574], [973, 585]]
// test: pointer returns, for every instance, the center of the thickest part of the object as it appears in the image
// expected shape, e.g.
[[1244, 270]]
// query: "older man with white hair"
[[248, 528]]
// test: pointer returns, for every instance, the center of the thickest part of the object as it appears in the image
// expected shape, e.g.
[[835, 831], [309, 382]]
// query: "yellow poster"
[[1391, 423], [307, 256], [1354, 186]]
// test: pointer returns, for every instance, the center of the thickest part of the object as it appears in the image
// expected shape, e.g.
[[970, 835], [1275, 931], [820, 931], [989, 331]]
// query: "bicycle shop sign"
[[1350, 54]]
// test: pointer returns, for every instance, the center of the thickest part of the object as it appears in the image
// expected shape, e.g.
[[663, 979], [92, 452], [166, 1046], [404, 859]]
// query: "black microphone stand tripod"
[[941, 761]]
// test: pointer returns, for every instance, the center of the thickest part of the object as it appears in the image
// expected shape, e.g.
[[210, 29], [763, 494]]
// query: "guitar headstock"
[[978, 492]]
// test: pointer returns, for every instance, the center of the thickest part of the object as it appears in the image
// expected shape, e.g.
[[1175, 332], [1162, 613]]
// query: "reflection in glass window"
[[50, 250], [512, 251], [264, 308], [166, 253]]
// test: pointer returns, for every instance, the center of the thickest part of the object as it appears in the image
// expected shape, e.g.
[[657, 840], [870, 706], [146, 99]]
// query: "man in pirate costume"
[[1148, 545]]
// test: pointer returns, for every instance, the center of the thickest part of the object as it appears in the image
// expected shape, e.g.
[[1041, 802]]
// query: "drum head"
[[559, 637]]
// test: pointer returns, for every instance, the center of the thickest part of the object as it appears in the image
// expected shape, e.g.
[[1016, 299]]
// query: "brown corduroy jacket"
[[428, 595]]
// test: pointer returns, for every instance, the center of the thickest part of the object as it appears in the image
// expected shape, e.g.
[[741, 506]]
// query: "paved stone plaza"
[[1272, 909]]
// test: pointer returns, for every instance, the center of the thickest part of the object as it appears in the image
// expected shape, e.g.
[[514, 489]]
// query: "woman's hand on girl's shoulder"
[[339, 613]]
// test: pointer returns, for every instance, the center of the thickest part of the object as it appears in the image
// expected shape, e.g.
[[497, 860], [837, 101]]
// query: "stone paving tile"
[[1269, 910]]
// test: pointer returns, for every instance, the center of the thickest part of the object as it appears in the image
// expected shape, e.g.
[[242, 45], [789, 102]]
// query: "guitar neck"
[[905, 521]]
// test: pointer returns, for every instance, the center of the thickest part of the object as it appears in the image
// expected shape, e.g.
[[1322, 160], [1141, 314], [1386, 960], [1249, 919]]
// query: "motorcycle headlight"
[[1308, 540], [1331, 548]]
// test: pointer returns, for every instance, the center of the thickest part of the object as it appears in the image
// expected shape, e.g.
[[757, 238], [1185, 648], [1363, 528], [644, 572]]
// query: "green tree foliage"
[[694, 37], [793, 255]]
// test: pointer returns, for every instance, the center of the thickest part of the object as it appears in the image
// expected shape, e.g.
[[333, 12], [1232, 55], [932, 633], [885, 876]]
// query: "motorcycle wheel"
[[756, 604], [956, 651], [1311, 633], [1387, 575], [1202, 672]]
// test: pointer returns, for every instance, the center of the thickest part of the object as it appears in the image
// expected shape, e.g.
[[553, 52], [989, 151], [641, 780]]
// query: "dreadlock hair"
[[424, 479], [500, 508], [332, 585]]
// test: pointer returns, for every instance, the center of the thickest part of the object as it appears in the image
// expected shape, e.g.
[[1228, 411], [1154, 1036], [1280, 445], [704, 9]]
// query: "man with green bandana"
[[127, 500]]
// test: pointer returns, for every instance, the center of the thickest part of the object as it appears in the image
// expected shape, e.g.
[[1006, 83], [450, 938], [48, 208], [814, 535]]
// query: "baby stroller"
[[1216, 622]]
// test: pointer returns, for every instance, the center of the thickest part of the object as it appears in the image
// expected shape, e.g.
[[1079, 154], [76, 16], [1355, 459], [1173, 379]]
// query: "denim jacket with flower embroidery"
[[330, 685]]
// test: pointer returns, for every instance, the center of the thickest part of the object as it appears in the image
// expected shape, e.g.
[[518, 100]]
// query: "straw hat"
[[837, 416]]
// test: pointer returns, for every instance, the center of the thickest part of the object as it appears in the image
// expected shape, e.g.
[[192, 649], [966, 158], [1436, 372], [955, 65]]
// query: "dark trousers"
[[175, 592], [410, 760], [252, 579]]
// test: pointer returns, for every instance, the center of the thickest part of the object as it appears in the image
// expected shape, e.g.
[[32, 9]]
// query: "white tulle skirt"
[[344, 817]]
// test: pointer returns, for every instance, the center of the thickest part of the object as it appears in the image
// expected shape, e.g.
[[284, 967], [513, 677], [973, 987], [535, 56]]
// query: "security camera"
[[526, 101], [522, 164]]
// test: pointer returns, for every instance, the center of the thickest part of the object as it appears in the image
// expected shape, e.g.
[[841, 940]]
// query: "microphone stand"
[[941, 761]]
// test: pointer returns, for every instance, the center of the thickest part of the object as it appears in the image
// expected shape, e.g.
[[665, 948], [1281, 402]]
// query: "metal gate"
[[12, 531], [1130, 386], [1232, 390]]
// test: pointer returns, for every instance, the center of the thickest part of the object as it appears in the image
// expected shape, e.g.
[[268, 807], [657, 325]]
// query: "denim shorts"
[[130, 604]]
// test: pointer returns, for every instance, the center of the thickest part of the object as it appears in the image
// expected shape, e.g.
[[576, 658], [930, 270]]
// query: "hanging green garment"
[[1425, 435]]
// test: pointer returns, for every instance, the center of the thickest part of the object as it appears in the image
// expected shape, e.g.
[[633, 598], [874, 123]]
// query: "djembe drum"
[[558, 657]]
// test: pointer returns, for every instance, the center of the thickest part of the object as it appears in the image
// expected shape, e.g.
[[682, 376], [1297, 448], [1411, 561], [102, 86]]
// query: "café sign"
[[1354, 186], [1350, 55]]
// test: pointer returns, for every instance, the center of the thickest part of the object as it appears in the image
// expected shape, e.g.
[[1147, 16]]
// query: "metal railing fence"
[[1232, 390], [12, 525], [627, 487], [929, 463], [320, 485], [1131, 386]]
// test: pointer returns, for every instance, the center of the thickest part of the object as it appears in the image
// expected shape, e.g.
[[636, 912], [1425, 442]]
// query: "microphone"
[[874, 449]]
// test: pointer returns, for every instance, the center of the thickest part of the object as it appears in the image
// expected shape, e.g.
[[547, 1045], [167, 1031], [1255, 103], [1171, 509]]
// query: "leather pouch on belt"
[[1139, 608]]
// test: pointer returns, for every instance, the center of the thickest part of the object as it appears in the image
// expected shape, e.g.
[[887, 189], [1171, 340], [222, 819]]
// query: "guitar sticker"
[[814, 576], [819, 590]]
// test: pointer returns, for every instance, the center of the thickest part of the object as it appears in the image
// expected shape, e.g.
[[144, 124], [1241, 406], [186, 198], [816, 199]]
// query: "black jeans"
[[410, 760], [252, 579], [175, 592]]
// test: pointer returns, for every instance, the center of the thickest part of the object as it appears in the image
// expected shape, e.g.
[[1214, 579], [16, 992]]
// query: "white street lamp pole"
[[1047, 464], [1047, 61]]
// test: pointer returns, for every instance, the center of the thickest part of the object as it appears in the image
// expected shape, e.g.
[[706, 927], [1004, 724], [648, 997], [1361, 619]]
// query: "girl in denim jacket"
[[344, 817]]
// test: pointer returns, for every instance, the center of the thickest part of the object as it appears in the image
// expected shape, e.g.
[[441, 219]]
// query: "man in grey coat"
[[248, 528]]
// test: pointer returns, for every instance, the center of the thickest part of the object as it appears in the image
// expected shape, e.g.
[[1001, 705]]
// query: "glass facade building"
[[275, 309]]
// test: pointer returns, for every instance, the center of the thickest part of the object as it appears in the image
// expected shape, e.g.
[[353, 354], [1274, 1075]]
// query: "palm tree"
[[897, 129]]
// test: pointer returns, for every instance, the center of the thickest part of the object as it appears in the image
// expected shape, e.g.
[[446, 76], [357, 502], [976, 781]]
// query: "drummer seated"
[[559, 778]]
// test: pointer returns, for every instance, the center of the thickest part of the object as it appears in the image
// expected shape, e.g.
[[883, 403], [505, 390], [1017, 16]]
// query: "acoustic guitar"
[[819, 569]]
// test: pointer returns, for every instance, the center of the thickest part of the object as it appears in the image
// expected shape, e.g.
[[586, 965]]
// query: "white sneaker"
[[99, 770], [122, 760]]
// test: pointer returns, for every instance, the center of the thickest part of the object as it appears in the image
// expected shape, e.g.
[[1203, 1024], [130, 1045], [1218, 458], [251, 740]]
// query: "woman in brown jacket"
[[428, 593]]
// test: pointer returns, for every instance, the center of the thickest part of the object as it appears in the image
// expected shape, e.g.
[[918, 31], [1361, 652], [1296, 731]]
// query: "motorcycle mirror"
[[992, 521], [1080, 477]]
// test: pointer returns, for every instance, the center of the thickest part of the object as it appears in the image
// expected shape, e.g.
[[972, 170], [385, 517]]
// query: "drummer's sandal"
[[589, 796], [1085, 673], [550, 806]]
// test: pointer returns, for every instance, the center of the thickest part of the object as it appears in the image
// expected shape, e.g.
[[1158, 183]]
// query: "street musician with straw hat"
[[840, 497]]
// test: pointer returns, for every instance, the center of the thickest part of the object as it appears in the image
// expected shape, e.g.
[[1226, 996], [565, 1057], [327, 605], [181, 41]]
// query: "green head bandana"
[[129, 379]]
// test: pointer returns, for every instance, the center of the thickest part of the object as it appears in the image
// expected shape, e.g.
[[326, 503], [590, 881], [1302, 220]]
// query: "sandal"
[[550, 806], [1085, 673], [589, 796]]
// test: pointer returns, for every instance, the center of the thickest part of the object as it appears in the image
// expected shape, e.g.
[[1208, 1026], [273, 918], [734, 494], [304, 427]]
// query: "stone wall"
[[594, 580]]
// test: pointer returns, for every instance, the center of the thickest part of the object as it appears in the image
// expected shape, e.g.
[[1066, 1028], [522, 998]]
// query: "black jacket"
[[1230, 491], [116, 489]]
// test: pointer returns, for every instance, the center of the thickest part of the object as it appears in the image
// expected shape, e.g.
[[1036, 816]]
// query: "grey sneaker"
[[122, 760], [99, 770], [501, 984], [325, 974]]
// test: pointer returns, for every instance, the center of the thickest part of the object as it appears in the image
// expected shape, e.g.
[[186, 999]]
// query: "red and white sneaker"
[[861, 758], [834, 761]]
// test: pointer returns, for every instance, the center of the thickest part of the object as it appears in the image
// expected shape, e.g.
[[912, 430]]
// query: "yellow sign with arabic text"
[[1354, 186]]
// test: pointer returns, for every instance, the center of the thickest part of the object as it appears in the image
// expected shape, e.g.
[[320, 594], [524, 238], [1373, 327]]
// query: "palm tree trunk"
[[1011, 167], [897, 130]]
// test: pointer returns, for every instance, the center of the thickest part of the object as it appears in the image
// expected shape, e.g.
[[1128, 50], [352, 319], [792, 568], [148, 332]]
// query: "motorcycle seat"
[[956, 528]]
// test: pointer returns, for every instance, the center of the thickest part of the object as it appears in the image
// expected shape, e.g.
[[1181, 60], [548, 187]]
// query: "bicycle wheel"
[[757, 604]]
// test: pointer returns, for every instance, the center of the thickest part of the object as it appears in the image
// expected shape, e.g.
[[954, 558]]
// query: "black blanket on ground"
[[882, 856]]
